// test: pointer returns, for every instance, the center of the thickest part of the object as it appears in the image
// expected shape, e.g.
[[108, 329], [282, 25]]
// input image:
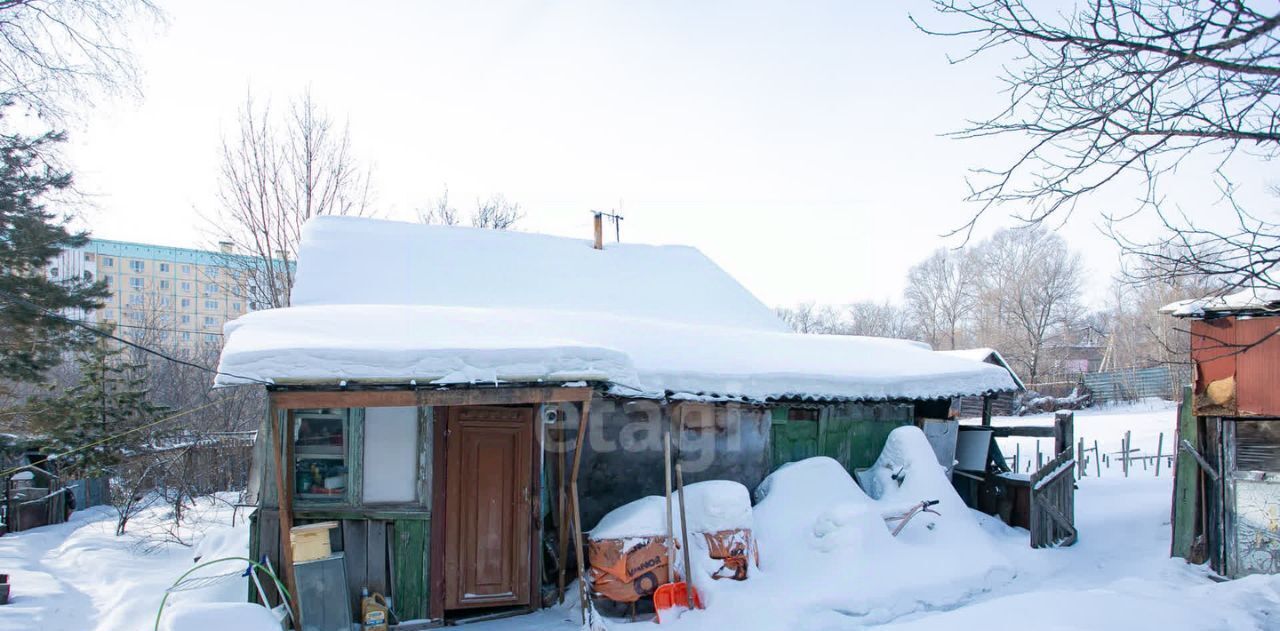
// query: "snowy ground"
[[79, 576]]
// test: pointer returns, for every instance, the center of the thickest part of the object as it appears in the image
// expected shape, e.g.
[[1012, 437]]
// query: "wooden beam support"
[[304, 399], [285, 499], [583, 592], [986, 410], [1034, 431]]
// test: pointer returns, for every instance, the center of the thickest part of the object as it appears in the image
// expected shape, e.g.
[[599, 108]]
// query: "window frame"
[[353, 498]]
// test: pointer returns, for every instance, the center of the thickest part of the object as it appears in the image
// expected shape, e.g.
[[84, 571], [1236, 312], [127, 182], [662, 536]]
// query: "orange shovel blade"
[[673, 595]]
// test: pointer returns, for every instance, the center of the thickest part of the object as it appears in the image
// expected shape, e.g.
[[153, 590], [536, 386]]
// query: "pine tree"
[[32, 336], [110, 398]]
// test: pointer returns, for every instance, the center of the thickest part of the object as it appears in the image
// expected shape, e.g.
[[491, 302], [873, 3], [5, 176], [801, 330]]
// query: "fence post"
[[1097, 453], [1125, 456], [1063, 431], [1080, 459], [1159, 452]]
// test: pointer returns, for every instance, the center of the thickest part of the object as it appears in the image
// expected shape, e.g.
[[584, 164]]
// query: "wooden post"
[[598, 224], [1097, 454], [562, 520], [1124, 447], [986, 410], [583, 593], [1159, 452], [285, 499], [1080, 472], [1063, 431]]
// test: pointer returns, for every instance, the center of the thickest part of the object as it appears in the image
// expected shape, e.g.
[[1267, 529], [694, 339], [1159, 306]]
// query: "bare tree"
[[941, 294], [810, 317], [275, 175], [879, 319], [439, 211], [57, 52], [1117, 87], [495, 213], [1031, 296], [1118, 93]]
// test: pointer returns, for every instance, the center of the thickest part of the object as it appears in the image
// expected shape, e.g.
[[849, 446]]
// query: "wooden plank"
[[321, 514], [1063, 431], [376, 557], [439, 511], [1035, 431], [354, 542], [1186, 484], [579, 550], [408, 549], [305, 399], [284, 488]]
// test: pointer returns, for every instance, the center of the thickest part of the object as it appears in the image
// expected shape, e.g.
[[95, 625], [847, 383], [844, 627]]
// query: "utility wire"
[[79, 323], [115, 436]]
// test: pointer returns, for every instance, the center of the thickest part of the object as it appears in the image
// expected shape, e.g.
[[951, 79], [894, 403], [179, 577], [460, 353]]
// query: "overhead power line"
[[115, 436], [96, 331]]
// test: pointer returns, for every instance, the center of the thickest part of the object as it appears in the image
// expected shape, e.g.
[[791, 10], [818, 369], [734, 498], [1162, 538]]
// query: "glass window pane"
[[320, 455], [390, 454]]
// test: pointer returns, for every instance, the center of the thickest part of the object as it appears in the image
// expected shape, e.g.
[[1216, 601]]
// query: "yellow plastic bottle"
[[373, 611]]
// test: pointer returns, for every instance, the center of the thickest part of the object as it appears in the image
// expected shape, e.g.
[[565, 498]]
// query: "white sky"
[[797, 144]]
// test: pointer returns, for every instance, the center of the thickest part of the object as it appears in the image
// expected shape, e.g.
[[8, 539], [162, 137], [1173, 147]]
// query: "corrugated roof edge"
[[605, 388]]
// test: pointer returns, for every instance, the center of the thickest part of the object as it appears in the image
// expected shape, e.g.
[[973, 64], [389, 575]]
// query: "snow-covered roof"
[[988, 355], [1254, 300], [381, 301]]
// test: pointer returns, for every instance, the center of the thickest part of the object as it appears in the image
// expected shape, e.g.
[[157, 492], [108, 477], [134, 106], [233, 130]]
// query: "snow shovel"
[[675, 596], [664, 598]]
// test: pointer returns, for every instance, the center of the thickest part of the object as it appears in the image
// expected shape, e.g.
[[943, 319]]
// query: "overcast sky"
[[796, 143]]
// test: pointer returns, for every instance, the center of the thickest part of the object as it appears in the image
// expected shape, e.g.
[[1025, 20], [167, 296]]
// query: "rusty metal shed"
[[1226, 505]]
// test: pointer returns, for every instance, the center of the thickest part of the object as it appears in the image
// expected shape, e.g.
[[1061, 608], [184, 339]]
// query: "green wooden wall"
[[852, 434]]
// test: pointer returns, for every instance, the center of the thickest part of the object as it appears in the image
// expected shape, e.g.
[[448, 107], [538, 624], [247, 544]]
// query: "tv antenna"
[[617, 223]]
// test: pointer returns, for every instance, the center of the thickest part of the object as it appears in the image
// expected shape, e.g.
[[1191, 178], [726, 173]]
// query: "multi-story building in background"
[[165, 294]]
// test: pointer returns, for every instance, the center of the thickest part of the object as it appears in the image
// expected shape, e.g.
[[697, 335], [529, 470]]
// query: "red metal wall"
[[1246, 349]]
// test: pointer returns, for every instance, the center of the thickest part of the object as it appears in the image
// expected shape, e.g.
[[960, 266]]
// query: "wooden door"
[[488, 517]]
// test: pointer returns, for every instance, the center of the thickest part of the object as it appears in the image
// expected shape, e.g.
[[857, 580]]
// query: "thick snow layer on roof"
[[453, 345], [975, 354], [1254, 299], [981, 355], [349, 260], [394, 302]]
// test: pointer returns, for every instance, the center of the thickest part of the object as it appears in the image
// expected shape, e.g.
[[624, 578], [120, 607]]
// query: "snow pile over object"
[[826, 544], [713, 506], [359, 261], [218, 617], [391, 302], [1250, 300]]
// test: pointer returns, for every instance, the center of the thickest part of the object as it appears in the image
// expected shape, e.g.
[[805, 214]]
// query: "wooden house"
[[1227, 481], [465, 403]]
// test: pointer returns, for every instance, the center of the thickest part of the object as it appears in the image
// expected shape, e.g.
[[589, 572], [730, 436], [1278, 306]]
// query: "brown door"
[[488, 481]]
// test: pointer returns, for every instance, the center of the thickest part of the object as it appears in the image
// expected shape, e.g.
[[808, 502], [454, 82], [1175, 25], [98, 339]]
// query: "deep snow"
[[79, 576], [389, 301]]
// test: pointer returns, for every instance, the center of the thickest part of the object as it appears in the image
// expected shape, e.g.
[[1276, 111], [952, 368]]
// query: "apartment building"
[[164, 293]]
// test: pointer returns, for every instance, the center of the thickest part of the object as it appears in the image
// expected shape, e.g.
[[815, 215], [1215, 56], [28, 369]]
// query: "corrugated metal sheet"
[[1127, 385], [1237, 366]]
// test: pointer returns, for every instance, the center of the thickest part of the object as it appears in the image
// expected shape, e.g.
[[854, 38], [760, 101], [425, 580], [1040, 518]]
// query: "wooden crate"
[[311, 542]]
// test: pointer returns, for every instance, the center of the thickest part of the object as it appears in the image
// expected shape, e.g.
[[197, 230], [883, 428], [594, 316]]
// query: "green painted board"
[[1186, 477], [794, 440], [856, 443], [409, 556]]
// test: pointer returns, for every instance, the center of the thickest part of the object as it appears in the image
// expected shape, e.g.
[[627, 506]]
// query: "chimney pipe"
[[598, 219], [226, 247]]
